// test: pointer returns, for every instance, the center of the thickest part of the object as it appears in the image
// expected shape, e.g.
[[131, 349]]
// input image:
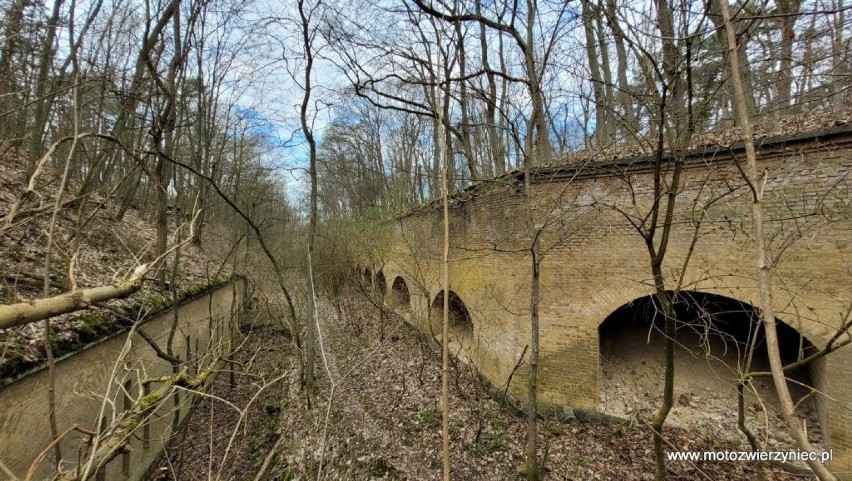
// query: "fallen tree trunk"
[[22, 313]]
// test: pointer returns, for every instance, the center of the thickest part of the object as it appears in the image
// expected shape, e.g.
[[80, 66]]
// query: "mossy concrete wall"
[[594, 261], [101, 381]]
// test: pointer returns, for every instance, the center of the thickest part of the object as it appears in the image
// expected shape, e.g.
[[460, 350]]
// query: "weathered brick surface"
[[594, 260]]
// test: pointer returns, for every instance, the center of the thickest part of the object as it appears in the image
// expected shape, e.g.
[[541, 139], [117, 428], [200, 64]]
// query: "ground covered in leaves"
[[384, 420], [234, 426]]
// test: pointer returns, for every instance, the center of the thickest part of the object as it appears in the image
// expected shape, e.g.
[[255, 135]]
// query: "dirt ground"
[[705, 389], [384, 421]]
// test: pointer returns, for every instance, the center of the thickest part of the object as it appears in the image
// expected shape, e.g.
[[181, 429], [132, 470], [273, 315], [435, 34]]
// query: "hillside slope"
[[108, 248]]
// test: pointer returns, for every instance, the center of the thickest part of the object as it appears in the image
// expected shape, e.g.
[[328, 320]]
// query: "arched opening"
[[399, 296], [461, 325], [367, 277], [381, 285], [716, 338]]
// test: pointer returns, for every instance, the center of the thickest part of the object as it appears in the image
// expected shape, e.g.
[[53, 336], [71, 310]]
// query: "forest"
[[152, 150]]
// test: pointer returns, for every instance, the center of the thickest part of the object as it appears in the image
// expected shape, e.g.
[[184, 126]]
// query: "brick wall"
[[595, 261]]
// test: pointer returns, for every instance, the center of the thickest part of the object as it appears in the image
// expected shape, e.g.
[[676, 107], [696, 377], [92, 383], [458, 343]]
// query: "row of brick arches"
[[718, 337], [399, 297], [601, 345]]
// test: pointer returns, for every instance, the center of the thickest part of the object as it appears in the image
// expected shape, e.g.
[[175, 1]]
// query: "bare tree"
[[764, 266]]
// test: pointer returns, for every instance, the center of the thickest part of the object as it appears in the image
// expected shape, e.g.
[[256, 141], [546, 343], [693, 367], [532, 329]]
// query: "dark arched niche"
[[715, 336], [460, 322], [399, 295]]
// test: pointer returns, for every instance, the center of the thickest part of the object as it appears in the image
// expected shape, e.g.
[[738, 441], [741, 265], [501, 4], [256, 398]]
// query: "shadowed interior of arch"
[[399, 295], [367, 277], [381, 284], [715, 336], [461, 324]]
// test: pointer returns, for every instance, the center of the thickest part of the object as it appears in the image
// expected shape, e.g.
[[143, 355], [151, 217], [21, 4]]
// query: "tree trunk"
[[714, 12], [601, 128], [464, 101], [9, 88], [670, 332], [162, 179], [42, 105], [676, 129], [840, 84], [625, 98], [307, 131], [788, 10], [494, 139], [12, 315], [48, 345], [606, 72], [543, 148], [116, 441], [533, 470], [129, 103], [443, 148], [504, 122], [537, 151], [764, 264]]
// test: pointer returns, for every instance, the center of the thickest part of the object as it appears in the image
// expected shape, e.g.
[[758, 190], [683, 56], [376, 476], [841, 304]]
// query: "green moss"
[[159, 302], [194, 290], [132, 307], [427, 418], [12, 353], [130, 425], [147, 402], [87, 329], [556, 429], [60, 344], [252, 448], [92, 323], [531, 472]]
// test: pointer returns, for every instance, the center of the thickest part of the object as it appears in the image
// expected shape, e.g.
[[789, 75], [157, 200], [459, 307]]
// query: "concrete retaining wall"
[[98, 383]]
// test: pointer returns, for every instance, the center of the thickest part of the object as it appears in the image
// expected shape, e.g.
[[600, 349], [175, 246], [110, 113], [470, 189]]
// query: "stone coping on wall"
[[838, 134]]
